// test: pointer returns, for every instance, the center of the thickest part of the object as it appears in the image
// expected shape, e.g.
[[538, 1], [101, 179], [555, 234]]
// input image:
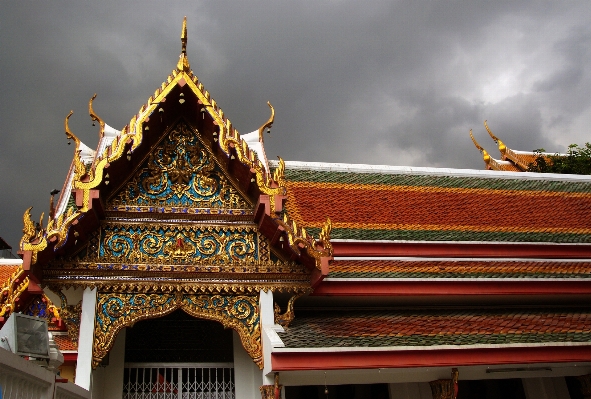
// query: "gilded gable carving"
[[181, 172]]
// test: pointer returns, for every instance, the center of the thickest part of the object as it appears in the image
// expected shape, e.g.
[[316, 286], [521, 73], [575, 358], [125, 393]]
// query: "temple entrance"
[[178, 356]]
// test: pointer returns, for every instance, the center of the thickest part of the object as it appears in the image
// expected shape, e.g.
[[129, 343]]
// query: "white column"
[[545, 388], [113, 378], [247, 376], [410, 390], [85, 340], [267, 320]]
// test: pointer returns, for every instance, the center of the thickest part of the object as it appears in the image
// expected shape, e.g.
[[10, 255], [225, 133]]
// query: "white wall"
[[247, 375]]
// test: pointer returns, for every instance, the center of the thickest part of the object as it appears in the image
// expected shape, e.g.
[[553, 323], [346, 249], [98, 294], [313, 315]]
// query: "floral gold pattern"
[[215, 244]]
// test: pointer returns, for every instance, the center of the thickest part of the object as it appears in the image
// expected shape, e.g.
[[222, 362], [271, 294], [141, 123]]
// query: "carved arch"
[[115, 311]]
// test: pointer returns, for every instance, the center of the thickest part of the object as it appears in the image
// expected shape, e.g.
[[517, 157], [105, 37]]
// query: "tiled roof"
[[64, 343], [390, 328], [6, 271], [458, 269], [373, 206]]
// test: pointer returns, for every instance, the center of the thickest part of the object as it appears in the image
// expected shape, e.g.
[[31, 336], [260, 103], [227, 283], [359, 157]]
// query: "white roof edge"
[[539, 243], [432, 347], [415, 170], [8, 261]]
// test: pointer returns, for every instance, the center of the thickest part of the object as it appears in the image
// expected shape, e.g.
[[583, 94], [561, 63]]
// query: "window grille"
[[178, 381]]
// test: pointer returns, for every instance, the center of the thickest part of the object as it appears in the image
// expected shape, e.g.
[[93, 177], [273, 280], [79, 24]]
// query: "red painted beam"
[[468, 287], [285, 361], [463, 250], [70, 357]]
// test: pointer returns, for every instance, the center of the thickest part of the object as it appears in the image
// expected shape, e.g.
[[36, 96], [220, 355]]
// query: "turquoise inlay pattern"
[[179, 243]]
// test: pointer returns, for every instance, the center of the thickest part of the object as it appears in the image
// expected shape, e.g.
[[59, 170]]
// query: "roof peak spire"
[[184, 36], [183, 64]]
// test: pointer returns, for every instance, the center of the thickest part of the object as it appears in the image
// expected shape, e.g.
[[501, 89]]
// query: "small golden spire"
[[184, 36], [183, 64]]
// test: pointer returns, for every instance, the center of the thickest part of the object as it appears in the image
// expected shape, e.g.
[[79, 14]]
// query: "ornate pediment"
[[180, 175]]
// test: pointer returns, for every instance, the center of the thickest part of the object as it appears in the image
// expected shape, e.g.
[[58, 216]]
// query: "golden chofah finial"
[[183, 64], [501, 145], [485, 155], [267, 125], [95, 117], [29, 230], [69, 134]]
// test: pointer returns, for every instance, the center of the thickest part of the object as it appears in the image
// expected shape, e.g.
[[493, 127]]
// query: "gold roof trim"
[[12, 290]]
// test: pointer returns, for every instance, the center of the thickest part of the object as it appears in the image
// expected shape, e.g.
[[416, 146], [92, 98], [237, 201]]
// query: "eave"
[[284, 359]]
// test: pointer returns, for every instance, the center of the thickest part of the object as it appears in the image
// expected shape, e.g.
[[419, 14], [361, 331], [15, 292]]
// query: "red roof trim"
[[285, 361], [462, 250], [470, 287]]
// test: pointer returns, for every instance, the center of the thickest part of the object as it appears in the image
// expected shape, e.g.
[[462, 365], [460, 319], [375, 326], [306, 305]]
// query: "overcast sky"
[[378, 82]]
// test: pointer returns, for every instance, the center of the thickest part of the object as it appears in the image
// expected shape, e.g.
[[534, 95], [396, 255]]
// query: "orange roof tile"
[[64, 343], [440, 208]]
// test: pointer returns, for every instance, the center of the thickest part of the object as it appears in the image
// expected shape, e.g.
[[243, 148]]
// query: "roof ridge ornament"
[[502, 146], [95, 117], [267, 125], [183, 64], [484, 153]]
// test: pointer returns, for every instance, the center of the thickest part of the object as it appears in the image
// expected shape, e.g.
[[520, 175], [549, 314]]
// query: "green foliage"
[[576, 161]]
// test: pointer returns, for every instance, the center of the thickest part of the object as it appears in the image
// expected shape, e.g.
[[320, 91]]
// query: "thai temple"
[[179, 261]]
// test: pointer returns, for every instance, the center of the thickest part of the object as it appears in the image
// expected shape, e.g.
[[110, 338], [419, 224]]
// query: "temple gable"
[[180, 175]]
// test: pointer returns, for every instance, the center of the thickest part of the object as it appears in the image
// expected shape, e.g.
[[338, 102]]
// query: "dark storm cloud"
[[385, 82]]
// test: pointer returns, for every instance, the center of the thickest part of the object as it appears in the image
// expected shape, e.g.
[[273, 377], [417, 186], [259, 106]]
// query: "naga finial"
[[183, 64], [95, 117], [69, 134], [79, 168], [267, 125], [324, 236], [29, 231], [485, 155], [501, 145]]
